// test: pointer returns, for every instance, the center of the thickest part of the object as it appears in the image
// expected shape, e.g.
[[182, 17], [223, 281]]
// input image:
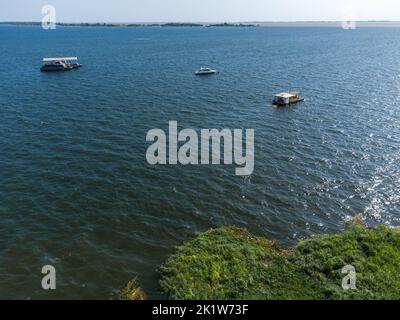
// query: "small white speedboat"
[[205, 71]]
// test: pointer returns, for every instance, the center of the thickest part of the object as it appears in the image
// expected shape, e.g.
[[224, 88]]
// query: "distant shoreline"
[[207, 25], [134, 25]]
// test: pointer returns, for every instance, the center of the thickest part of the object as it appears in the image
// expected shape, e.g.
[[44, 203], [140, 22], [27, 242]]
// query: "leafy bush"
[[131, 292], [229, 263]]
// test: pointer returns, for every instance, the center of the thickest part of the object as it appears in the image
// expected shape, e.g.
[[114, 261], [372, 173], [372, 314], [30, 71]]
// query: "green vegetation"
[[229, 263], [131, 292]]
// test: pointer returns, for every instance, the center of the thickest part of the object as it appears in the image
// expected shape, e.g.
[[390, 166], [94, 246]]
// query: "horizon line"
[[202, 22]]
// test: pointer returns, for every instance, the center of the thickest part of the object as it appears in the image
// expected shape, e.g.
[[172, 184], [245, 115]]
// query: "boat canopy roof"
[[60, 59], [286, 95]]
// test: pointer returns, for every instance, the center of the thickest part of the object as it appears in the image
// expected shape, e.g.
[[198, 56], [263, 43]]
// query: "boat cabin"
[[286, 98]]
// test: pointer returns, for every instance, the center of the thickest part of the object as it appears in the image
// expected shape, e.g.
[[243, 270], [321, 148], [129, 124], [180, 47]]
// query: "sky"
[[200, 10]]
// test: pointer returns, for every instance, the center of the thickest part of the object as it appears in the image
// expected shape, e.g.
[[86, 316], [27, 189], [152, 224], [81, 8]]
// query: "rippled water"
[[76, 191]]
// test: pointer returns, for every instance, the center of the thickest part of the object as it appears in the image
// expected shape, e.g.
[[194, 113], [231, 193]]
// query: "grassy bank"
[[230, 263]]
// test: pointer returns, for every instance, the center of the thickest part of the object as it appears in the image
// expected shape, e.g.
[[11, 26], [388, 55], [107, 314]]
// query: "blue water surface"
[[76, 191]]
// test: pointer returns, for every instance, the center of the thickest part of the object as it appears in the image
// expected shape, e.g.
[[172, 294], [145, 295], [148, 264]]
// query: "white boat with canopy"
[[60, 64], [287, 98]]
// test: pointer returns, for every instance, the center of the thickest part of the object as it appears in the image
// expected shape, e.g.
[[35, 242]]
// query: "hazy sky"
[[199, 10]]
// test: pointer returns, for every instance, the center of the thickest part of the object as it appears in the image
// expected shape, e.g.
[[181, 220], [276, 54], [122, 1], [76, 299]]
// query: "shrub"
[[229, 263]]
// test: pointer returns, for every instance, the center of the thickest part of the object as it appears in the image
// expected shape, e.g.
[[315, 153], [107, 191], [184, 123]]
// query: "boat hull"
[[205, 73], [284, 104], [58, 68], [55, 69]]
